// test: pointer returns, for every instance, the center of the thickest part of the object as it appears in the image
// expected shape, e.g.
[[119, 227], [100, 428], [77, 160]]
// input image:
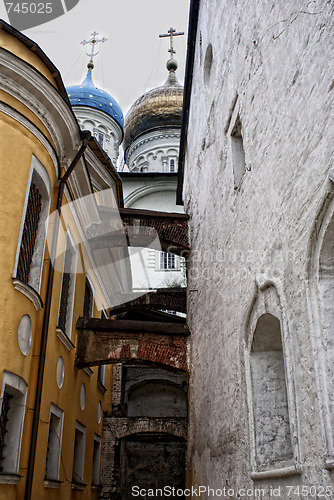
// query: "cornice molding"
[[29, 292], [17, 116], [65, 339], [25, 83], [154, 136]]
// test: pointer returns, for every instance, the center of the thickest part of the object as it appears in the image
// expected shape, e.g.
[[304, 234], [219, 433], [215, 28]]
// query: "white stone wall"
[[269, 70]]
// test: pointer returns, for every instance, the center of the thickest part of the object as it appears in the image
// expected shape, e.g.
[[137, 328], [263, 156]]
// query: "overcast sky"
[[132, 60]]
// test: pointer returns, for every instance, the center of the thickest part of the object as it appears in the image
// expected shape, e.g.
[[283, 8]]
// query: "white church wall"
[[269, 69]]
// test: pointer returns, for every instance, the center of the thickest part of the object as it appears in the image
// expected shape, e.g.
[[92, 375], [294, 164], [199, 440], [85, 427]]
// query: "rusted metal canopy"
[[140, 228], [173, 299]]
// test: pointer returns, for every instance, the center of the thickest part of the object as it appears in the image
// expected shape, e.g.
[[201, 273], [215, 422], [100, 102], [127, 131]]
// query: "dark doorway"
[[152, 461]]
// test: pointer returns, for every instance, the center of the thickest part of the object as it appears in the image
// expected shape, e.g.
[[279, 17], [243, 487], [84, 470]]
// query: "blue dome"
[[88, 95]]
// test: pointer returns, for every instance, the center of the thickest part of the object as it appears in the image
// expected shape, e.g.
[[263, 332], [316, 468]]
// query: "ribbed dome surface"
[[88, 95], [160, 107]]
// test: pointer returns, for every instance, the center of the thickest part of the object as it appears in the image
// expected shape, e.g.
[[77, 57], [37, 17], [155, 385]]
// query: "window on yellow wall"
[[53, 453], [32, 237], [79, 453], [88, 309], [65, 315], [12, 411], [96, 460]]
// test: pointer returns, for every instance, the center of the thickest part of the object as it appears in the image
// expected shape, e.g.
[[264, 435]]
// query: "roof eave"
[[191, 46]]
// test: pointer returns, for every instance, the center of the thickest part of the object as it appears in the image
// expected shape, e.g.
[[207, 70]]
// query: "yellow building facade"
[[51, 412]]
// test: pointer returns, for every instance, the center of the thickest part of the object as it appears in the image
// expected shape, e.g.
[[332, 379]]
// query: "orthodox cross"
[[93, 41], [171, 32]]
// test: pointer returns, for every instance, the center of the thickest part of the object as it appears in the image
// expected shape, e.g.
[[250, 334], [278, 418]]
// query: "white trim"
[[9, 478], [88, 371], [42, 97], [71, 292], [54, 410], [95, 163], [87, 248], [29, 292], [64, 339], [82, 429], [49, 483], [93, 295], [275, 305], [13, 113], [142, 191], [96, 465], [11, 380], [39, 175], [153, 137], [318, 340], [273, 473]]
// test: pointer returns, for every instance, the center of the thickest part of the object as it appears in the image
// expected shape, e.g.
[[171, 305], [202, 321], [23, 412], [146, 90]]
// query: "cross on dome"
[[93, 41], [171, 32]]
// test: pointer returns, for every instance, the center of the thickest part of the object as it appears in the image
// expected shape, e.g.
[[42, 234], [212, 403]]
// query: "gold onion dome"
[[160, 107]]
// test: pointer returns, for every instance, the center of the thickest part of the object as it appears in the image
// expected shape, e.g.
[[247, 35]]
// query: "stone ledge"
[[52, 483], [78, 486], [29, 292], [8, 478], [65, 339], [273, 473]]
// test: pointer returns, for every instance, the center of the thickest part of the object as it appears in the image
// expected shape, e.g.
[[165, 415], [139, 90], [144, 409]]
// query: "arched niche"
[[156, 398], [269, 393], [270, 388]]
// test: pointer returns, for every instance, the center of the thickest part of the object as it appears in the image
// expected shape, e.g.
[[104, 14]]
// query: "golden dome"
[[160, 107]]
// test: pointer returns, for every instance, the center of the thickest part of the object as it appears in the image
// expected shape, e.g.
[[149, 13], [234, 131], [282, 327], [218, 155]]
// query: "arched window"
[[88, 309], [12, 412], [157, 399], [53, 453], [100, 139], [30, 250], [269, 394], [66, 304]]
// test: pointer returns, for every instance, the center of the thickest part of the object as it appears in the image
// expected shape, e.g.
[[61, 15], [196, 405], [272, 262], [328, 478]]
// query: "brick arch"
[[118, 341], [166, 352], [123, 427]]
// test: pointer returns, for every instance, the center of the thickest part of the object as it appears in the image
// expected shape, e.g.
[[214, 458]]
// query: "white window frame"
[[71, 295], [102, 373], [79, 455], [55, 453], [15, 385], [93, 296], [39, 175], [96, 460], [100, 138], [160, 265], [172, 165]]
